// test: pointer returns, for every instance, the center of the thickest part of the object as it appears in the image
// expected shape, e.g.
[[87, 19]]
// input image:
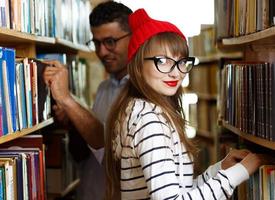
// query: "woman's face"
[[164, 83]]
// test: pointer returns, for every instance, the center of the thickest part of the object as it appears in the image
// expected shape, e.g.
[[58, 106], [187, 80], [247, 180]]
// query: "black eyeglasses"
[[109, 43], [166, 65]]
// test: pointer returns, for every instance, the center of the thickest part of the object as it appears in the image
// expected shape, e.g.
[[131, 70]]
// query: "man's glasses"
[[109, 43], [166, 65]]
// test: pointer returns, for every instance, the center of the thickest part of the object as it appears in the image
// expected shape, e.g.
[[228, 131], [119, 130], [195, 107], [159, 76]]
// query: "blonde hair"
[[138, 88]]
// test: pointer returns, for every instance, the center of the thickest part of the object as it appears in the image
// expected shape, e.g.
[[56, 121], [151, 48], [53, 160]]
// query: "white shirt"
[[155, 164], [92, 173]]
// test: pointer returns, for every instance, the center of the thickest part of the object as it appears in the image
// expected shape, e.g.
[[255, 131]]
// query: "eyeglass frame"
[[113, 40], [156, 59]]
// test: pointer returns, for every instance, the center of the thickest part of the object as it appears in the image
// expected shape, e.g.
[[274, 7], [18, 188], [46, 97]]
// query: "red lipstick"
[[171, 83]]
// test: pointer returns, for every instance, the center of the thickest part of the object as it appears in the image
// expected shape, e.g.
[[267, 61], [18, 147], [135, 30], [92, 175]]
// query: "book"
[[10, 174], [2, 183], [9, 57], [28, 92], [43, 93], [33, 147], [1, 115], [7, 99], [3, 100], [21, 96]]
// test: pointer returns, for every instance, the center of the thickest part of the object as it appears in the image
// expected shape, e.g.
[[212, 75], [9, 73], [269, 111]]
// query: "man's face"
[[114, 60]]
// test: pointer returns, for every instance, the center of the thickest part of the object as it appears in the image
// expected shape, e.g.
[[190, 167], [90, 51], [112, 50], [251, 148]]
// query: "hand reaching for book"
[[56, 76], [233, 157], [252, 162]]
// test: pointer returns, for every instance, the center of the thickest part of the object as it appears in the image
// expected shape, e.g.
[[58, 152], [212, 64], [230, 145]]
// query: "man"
[[109, 26]]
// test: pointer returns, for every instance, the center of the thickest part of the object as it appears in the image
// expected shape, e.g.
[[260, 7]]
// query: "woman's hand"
[[233, 157], [252, 162]]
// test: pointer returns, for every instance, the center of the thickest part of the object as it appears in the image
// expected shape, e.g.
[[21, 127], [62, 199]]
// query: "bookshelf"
[[204, 83], [45, 29], [248, 115], [259, 141], [266, 35]]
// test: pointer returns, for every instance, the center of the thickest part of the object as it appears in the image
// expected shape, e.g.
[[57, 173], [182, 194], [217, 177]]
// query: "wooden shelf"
[[218, 56], [9, 36], [13, 38], [65, 44], [208, 97], [267, 34], [257, 140], [17, 134]]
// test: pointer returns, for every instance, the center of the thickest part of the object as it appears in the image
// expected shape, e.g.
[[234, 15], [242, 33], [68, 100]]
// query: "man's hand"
[[56, 77]]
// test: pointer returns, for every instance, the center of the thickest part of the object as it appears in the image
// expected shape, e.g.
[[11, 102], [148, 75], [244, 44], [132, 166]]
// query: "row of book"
[[77, 73], [205, 41], [66, 19], [22, 169], [24, 96], [248, 97], [241, 17], [260, 185]]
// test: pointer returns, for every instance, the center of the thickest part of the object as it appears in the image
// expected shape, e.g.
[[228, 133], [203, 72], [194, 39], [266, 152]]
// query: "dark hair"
[[108, 12]]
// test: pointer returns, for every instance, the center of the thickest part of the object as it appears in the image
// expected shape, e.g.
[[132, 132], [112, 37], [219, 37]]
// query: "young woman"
[[147, 153]]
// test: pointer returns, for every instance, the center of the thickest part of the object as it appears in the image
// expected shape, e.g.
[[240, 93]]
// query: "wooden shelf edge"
[[250, 37], [17, 35], [205, 96], [218, 56], [71, 45], [22, 37], [17, 134], [257, 140]]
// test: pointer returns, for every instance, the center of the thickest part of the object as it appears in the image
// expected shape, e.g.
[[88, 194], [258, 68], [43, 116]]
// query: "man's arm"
[[84, 121]]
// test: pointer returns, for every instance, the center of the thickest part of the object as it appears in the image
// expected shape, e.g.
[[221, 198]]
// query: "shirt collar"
[[120, 82]]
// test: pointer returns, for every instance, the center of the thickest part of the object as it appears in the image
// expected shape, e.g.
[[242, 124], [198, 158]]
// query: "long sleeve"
[[155, 165], [210, 172]]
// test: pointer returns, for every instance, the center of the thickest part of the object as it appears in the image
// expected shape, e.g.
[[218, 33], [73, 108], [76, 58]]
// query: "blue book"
[[53, 56], [9, 57], [3, 113]]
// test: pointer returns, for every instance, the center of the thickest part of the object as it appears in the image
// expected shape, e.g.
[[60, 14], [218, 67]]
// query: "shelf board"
[[218, 56], [257, 140], [205, 96], [9, 36], [17, 134], [70, 45], [253, 37]]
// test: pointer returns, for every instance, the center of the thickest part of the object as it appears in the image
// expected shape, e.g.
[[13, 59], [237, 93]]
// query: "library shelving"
[[247, 86], [203, 81], [43, 30], [28, 45], [266, 53]]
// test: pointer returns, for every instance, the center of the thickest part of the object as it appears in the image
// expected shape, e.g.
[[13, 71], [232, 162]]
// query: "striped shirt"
[[155, 164]]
